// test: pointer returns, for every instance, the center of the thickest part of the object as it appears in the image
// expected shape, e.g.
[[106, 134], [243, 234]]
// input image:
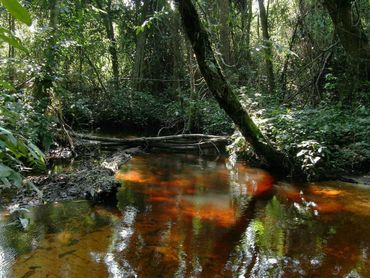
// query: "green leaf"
[[17, 11], [7, 36], [5, 182], [6, 85], [16, 178], [5, 171], [8, 137]]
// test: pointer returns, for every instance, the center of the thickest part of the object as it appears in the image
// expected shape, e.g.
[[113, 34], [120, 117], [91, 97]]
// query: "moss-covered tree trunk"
[[351, 34], [222, 91]]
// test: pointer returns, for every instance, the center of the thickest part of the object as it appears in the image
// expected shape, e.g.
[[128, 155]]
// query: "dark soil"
[[92, 178]]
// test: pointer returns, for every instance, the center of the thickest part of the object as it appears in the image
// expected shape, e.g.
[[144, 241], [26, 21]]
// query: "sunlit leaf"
[[17, 11], [8, 37], [98, 10]]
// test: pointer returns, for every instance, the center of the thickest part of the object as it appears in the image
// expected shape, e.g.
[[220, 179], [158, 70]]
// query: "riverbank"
[[90, 176]]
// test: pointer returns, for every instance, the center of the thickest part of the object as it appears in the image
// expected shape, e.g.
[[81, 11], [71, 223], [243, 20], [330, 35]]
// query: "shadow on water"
[[186, 216]]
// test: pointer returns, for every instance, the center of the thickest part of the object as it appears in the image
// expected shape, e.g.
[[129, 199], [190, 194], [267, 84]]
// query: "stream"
[[181, 215]]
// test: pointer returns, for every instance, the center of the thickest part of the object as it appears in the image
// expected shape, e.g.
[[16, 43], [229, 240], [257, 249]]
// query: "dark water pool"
[[184, 216]]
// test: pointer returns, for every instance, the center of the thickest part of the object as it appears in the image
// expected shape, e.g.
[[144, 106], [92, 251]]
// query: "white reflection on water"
[[6, 256], [243, 255], [121, 237]]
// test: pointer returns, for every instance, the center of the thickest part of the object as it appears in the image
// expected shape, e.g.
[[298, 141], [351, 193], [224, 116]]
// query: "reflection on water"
[[184, 216], [54, 240]]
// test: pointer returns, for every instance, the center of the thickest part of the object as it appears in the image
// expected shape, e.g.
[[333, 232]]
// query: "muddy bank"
[[92, 177]]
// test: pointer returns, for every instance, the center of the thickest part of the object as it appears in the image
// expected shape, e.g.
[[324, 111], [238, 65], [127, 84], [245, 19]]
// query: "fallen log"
[[149, 139], [173, 142]]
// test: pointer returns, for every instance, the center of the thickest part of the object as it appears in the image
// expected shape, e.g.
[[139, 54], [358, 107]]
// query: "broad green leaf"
[[5, 171], [6, 182], [17, 11], [7, 36], [16, 178], [8, 136]]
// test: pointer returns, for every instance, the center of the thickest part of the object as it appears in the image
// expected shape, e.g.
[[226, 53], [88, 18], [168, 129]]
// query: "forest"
[[91, 89]]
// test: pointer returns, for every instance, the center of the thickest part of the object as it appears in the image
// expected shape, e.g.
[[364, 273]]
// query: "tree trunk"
[[44, 83], [191, 117], [96, 71], [244, 57], [108, 23], [224, 13], [267, 47], [11, 51], [178, 53], [283, 76], [222, 91], [140, 48], [351, 34]]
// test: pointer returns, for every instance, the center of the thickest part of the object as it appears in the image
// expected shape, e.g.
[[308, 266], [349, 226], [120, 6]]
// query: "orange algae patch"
[[137, 177], [290, 193], [329, 206], [160, 199], [328, 192], [263, 184], [169, 253], [176, 183], [132, 176], [222, 217]]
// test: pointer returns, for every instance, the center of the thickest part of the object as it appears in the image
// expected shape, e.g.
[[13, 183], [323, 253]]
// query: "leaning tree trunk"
[[351, 34], [222, 91]]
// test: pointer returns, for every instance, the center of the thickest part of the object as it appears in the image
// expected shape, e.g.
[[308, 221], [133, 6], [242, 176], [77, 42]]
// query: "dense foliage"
[[323, 140], [20, 126]]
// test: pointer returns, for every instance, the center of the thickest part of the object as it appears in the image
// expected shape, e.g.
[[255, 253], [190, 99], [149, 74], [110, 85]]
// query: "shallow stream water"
[[186, 216]]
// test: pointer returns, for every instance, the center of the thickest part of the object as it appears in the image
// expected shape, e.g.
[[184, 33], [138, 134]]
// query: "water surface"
[[186, 216]]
